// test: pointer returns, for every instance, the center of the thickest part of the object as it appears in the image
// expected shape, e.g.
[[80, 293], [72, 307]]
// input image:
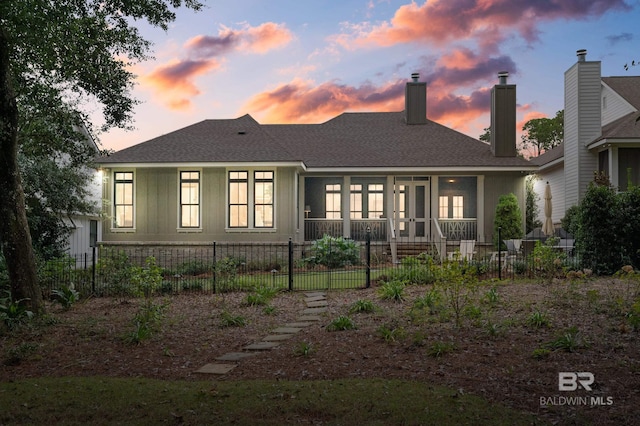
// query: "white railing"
[[393, 242], [439, 240]]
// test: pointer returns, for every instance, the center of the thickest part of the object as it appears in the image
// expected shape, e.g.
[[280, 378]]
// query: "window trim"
[[255, 204], [180, 226], [251, 205], [114, 205]]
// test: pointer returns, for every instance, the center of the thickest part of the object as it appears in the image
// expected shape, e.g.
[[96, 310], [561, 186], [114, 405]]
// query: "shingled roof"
[[350, 140]]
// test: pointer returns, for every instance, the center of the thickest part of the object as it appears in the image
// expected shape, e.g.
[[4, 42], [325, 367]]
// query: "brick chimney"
[[503, 117], [415, 101]]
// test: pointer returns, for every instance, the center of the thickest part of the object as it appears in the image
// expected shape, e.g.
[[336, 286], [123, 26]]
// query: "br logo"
[[569, 381]]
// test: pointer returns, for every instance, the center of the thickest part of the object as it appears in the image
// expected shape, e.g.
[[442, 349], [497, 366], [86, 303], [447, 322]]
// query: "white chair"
[[466, 252]]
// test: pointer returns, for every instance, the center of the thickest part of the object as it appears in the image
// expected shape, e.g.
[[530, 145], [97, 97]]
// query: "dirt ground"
[[491, 353]]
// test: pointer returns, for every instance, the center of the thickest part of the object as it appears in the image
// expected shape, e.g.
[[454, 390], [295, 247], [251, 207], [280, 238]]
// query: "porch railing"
[[459, 229], [315, 229]]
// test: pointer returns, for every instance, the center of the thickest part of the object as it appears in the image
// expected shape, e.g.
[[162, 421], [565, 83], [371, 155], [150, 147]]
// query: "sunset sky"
[[294, 61]]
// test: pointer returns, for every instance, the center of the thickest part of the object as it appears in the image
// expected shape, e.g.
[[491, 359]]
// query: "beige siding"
[[496, 185], [616, 106], [156, 209], [555, 177], [582, 125]]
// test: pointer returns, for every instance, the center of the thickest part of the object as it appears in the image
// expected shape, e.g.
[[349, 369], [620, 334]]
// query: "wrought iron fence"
[[221, 267]]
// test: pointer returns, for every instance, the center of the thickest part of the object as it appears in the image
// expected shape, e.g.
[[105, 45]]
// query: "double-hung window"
[[332, 201], [251, 199], [189, 199], [376, 200], [123, 200]]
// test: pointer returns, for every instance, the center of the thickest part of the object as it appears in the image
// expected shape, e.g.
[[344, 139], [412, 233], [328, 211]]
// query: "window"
[[332, 200], [443, 207], [263, 194], [376, 200], [238, 199], [458, 206], [356, 201], [123, 200], [190, 199]]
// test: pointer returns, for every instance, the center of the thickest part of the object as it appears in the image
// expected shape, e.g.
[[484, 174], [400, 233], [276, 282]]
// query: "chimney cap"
[[502, 77], [581, 54], [415, 76]]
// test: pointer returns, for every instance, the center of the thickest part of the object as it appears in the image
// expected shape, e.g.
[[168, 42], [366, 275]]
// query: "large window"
[[263, 194], [376, 200], [190, 199], [332, 201], [123, 200], [251, 199], [356, 201], [458, 206], [443, 210]]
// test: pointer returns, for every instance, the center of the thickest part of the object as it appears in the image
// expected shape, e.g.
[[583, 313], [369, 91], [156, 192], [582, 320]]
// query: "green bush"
[[335, 252], [13, 313], [194, 267], [509, 219], [114, 271], [145, 281], [66, 296]]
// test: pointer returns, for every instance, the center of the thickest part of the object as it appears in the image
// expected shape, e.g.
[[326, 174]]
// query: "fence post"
[[368, 256], [93, 270], [290, 264], [499, 253], [215, 268]]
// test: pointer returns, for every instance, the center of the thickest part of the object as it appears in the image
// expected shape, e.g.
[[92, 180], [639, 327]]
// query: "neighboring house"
[[601, 133], [86, 229], [399, 174]]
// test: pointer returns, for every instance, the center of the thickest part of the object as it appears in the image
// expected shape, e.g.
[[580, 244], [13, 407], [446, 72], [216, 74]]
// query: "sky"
[[307, 61]]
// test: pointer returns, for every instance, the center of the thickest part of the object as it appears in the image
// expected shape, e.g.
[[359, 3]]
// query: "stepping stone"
[[261, 346], [216, 368], [314, 310], [315, 294], [298, 324], [309, 318], [317, 304], [287, 330], [314, 299], [234, 356], [277, 337]]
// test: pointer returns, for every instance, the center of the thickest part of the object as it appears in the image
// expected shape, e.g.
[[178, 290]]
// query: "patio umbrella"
[[548, 223]]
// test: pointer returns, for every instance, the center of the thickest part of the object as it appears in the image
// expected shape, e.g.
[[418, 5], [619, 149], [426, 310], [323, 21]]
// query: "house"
[[601, 133], [399, 175]]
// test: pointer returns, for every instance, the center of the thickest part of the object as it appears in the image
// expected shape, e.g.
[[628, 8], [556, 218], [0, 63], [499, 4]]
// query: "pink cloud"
[[173, 82], [260, 39]]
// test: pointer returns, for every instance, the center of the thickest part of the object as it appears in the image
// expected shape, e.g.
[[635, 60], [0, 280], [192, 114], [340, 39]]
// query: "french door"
[[411, 208]]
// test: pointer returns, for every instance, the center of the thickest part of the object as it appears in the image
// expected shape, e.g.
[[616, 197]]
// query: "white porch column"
[[480, 208], [435, 205], [299, 193], [346, 207]]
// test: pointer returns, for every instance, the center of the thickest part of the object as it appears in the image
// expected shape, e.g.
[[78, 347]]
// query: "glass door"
[[412, 208]]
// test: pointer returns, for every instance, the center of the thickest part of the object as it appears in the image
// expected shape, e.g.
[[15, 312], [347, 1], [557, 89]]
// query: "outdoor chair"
[[466, 251]]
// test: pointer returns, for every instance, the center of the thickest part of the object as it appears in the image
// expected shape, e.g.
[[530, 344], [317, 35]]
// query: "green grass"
[[103, 401]]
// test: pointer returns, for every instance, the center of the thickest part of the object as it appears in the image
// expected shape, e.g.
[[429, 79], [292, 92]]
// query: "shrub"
[[391, 333], [335, 252], [146, 321], [194, 267], [229, 320], [341, 323], [437, 349], [392, 290], [570, 340], [13, 313], [458, 284], [509, 219], [66, 296], [226, 274], [114, 270], [145, 281], [362, 305], [546, 260]]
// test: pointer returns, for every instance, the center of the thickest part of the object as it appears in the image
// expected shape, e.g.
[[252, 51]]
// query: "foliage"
[[114, 270], [542, 134], [226, 271], [508, 220], [341, 323], [14, 313], [486, 135], [146, 321], [538, 319], [260, 296], [304, 349], [415, 270], [458, 285], [391, 332], [547, 261], [392, 290], [439, 348], [193, 267], [334, 252], [598, 242], [628, 227], [571, 220], [227, 319], [362, 305], [570, 340], [66, 296], [492, 297], [431, 301], [145, 281], [531, 213]]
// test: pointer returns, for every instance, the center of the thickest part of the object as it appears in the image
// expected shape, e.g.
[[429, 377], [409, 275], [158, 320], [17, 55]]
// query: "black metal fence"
[[221, 267]]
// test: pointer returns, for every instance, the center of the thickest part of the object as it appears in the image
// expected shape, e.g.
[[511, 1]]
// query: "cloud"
[[174, 82], [301, 101], [439, 22], [622, 37]]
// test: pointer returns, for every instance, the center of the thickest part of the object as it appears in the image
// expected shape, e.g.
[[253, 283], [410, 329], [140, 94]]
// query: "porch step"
[[413, 248]]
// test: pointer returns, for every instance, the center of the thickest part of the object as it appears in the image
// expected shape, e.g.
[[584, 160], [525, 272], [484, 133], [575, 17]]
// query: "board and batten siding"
[[582, 124], [156, 200], [497, 185]]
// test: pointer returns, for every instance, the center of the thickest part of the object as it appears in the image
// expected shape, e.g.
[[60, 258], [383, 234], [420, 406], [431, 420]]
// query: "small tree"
[[532, 205], [542, 134], [508, 219]]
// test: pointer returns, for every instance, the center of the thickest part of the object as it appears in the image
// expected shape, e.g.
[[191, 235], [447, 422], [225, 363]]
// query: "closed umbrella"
[[547, 228]]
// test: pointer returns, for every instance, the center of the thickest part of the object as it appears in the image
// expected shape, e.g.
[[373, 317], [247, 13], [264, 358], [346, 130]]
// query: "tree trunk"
[[15, 238]]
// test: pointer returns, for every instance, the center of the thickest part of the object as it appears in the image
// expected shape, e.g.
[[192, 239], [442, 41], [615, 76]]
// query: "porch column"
[[614, 172], [480, 209], [390, 201], [346, 207], [435, 205], [299, 193]]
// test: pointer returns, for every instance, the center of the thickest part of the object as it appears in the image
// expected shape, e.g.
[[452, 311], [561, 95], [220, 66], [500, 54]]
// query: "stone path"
[[316, 304]]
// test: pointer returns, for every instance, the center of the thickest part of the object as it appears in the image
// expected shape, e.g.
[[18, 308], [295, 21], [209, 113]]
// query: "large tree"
[[542, 134], [57, 54]]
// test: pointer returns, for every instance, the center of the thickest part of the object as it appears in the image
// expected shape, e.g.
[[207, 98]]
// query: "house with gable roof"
[[397, 175], [601, 133]]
